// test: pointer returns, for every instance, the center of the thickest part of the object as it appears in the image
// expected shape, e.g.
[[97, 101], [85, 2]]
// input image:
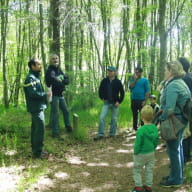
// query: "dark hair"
[[185, 63], [31, 62], [139, 69]]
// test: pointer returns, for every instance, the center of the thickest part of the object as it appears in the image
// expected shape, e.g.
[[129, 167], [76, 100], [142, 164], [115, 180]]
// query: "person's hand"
[[117, 104], [143, 103]]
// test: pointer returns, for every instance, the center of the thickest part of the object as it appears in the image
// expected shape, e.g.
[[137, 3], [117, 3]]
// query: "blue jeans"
[[114, 117], [175, 152], [56, 104]]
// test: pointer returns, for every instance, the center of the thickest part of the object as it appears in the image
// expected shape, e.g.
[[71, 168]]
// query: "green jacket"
[[36, 98], [146, 139]]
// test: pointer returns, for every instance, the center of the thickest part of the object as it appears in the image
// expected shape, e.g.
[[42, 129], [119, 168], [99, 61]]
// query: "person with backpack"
[[187, 141], [175, 94]]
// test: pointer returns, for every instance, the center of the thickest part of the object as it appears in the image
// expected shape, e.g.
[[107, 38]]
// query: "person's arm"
[[31, 85], [137, 144], [147, 92]]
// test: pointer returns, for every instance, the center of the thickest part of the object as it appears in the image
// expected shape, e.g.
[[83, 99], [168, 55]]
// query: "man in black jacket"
[[111, 92], [56, 80]]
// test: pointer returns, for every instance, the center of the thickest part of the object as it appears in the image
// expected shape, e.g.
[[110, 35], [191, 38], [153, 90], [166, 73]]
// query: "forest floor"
[[92, 166]]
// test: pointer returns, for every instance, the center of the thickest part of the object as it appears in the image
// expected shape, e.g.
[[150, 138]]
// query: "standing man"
[[111, 92], [139, 88], [188, 131], [36, 99], [56, 79]]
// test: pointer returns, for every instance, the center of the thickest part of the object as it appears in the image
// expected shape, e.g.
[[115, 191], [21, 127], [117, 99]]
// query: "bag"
[[170, 128], [187, 110]]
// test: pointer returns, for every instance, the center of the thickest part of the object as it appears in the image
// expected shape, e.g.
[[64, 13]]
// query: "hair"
[[185, 63], [31, 62], [175, 68], [50, 57], [139, 69], [147, 113]]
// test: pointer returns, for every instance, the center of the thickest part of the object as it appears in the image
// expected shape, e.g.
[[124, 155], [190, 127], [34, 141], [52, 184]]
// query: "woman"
[[175, 94]]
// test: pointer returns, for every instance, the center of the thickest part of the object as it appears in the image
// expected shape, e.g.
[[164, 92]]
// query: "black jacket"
[[117, 90], [52, 76]]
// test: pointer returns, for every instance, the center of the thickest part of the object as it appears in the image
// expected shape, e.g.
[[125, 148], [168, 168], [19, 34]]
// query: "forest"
[[88, 36]]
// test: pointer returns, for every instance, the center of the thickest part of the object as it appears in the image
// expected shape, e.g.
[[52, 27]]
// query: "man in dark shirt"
[[57, 80], [111, 92], [36, 99], [188, 80]]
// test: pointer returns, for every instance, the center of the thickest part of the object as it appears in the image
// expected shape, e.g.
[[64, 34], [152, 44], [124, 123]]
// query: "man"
[[56, 79], [36, 103], [139, 88], [187, 142], [111, 92]]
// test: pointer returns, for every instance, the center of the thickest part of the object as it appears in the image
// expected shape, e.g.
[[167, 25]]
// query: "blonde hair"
[[147, 113], [175, 68]]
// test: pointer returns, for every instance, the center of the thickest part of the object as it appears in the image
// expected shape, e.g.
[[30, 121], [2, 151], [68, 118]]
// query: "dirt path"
[[102, 166]]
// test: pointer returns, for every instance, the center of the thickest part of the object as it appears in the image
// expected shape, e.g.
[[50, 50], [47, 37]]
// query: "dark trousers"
[[136, 106], [186, 148], [37, 132]]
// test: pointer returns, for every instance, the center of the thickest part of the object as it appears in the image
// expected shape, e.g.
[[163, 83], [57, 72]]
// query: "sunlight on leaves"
[[9, 178], [10, 152], [124, 151], [102, 164], [62, 175], [75, 160], [87, 190]]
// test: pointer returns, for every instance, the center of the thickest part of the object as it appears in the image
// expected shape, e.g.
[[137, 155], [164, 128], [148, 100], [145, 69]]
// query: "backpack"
[[187, 110]]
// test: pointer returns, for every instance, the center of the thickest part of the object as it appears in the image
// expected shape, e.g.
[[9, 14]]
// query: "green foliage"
[[188, 173]]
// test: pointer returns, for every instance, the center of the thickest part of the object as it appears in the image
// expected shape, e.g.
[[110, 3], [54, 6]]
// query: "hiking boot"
[[98, 138], [43, 155], [69, 129], [167, 184], [138, 189], [57, 136], [147, 189]]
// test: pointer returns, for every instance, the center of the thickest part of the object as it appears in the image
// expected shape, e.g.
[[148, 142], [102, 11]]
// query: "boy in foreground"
[[144, 147]]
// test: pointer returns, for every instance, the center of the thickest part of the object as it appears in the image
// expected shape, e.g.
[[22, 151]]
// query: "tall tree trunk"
[[4, 22], [163, 38], [55, 46], [42, 37]]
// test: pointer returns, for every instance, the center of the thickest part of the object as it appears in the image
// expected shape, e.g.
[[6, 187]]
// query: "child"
[[144, 147], [153, 104]]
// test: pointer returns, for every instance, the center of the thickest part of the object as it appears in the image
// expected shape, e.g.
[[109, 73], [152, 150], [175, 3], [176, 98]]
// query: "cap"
[[139, 69], [111, 68], [152, 97]]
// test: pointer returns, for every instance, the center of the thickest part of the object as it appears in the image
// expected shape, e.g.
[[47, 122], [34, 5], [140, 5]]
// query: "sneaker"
[[167, 184], [147, 189], [138, 189], [98, 138]]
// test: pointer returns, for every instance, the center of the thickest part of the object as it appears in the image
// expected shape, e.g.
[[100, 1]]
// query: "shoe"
[[167, 184], [147, 189], [43, 155], [56, 136], [138, 189], [98, 138], [69, 129]]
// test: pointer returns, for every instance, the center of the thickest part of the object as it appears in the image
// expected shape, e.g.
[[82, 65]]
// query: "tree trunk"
[[4, 22]]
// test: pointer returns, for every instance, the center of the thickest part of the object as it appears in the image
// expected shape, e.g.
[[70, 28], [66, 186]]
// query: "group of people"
[[174, 92]]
